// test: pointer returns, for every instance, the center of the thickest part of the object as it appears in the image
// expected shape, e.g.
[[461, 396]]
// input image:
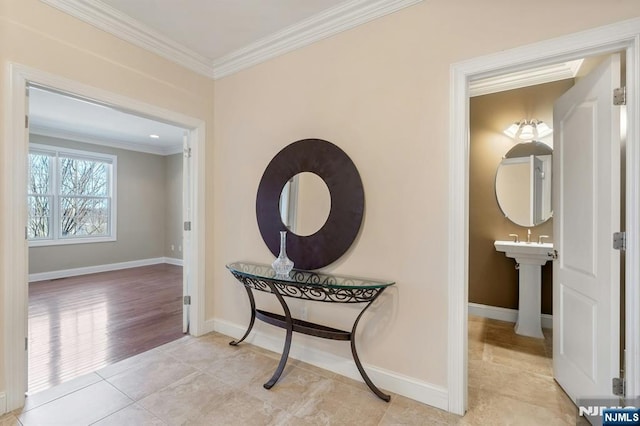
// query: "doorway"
[[599, 41], [15, 329], [105, 231], [524, 364]]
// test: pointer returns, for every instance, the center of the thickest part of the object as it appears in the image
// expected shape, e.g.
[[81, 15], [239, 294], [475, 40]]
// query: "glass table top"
[[306, 278]]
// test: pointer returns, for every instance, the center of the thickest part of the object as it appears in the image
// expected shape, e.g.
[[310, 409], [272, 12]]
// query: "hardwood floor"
[[80, 324]]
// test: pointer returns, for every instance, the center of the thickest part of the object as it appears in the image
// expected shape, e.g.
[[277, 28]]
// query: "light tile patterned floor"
[[204, 381]]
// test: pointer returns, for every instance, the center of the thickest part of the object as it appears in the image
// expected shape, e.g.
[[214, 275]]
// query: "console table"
[[307, 285]]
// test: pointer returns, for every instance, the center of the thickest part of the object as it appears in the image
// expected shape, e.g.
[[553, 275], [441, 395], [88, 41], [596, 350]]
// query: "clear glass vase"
[[282, 265]]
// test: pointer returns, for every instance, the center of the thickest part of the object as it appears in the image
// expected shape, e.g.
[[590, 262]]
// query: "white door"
[[186, 233], [586, 274]]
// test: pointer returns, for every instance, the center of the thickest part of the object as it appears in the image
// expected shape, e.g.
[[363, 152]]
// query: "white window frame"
[[55, 238]]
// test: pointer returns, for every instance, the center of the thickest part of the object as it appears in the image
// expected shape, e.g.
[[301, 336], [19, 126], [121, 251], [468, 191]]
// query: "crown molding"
[[106, 18], [325, 24], [530, 77], [110, 142]]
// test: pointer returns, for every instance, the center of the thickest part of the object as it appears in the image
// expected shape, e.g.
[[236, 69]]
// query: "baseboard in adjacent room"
[[3, 403], [173, 261], [65, 273], [504, 314], [424, 392]]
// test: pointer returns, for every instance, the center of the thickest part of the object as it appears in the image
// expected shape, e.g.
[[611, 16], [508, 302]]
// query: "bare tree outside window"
[[79, 198], [84, 205], [39, 198]]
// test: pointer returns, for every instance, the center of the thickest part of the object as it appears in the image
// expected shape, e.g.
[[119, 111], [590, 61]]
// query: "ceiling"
[[63, 116], [211, 37], [215, 38], [214, 28]]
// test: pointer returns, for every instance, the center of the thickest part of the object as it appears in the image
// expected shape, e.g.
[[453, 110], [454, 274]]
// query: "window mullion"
[[55, 190]]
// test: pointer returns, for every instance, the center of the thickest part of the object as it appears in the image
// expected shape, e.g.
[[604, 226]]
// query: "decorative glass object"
[[282, 265]]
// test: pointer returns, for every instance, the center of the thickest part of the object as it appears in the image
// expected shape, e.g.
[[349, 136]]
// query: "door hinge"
[[187, 152], [620, 96], [617, 386], [26, 121], [620, 240], [186, 300], [187, 226], [26, 233], [26, 343]]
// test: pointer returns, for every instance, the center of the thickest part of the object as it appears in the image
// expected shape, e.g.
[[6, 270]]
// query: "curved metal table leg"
[[364, 375], [287, 342], [252, 301]]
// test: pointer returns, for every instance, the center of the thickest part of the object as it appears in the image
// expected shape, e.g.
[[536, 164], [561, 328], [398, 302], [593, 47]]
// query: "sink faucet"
[[528, 235], [540, 237], [516, 238]]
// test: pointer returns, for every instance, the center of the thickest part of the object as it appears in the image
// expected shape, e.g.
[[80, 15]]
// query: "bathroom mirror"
[[346, 202], [305, 203], [523, 184]]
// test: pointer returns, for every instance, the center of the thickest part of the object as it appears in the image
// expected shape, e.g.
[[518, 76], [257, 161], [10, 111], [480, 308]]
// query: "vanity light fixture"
[[154, 136], [528, 130]]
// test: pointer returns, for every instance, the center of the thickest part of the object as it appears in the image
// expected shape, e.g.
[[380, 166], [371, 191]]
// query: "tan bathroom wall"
[[493, 279]]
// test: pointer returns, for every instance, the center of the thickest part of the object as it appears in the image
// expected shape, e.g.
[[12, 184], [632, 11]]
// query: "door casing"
[[15, 248], [620, 36]]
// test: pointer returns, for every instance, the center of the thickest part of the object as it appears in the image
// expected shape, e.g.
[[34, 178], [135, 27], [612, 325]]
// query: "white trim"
[[74, 272], [424, 392], [112, 143], [332, 21], [14, 264], [173, 261], [3, 403], [610, 38], [504, 314], [322, 25], [525, 78], [67, 241], [111, 20]]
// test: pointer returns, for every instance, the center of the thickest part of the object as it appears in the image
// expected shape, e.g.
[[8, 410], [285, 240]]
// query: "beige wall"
[[381, 93], [146, 200], [493, 279], [173, 206], [36, 35]]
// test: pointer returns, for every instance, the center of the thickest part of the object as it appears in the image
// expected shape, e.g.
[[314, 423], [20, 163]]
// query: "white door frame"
[[14, 251], [619, 36]]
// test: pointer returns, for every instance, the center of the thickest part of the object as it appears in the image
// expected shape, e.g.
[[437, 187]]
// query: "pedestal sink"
[[530, 257]]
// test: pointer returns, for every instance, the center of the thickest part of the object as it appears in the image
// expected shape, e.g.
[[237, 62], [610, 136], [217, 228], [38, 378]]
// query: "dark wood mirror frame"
[[337, 170]]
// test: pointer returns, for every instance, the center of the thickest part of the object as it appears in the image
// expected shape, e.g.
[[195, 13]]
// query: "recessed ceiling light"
[[154, 136]]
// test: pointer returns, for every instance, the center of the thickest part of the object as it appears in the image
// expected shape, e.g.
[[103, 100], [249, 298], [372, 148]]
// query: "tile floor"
[[204, 381]]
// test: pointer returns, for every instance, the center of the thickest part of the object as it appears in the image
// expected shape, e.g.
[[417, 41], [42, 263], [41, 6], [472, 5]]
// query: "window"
[[71, 196]]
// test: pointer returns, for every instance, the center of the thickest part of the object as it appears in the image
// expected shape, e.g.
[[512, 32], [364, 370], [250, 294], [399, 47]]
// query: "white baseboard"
[[3, 403], [64, 273], [424, 392], [173, 261], [504, 314]]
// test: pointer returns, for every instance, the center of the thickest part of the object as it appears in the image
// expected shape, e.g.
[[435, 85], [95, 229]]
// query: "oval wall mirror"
[[305, 203], [346, 206], [523, 184]]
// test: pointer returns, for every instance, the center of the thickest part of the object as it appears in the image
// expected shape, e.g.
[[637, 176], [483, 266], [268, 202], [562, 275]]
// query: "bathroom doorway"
[[600, 41], [586, 364]]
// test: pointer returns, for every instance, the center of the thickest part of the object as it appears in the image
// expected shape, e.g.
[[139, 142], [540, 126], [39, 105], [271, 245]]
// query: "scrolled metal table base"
[[291, 324]]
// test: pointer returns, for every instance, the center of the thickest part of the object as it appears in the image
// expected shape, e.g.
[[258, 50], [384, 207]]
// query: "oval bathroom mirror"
[[305, 203], [523, 184]]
